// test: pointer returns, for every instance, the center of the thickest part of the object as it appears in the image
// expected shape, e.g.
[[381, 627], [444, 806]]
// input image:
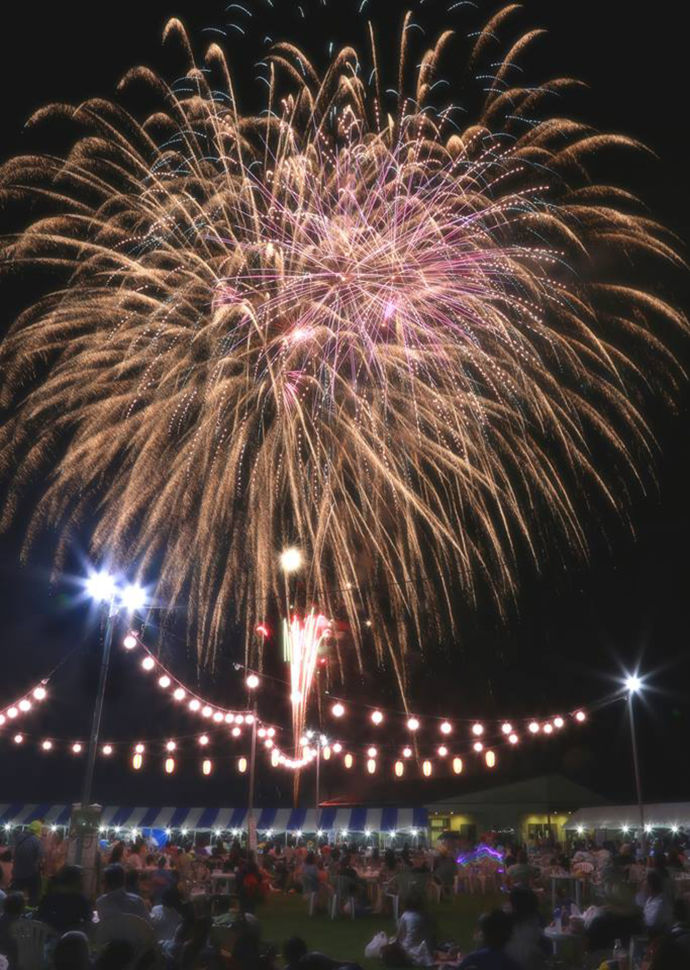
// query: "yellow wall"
[[557, 824]]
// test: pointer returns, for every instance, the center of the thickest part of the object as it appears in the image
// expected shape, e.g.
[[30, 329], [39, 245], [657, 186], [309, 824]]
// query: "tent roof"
[[658, 814], [552, 792]]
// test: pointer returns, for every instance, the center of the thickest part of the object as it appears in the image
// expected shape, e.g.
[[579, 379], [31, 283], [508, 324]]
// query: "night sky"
[[575, 627]]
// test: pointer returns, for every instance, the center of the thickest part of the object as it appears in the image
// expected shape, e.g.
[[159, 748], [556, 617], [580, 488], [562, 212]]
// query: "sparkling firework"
[[302, 638], [349, 323]]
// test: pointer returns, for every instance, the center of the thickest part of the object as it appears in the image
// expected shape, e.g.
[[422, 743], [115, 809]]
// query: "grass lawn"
[[344, 939]]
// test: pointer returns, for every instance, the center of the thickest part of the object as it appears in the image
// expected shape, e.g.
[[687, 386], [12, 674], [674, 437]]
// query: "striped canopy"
[[329, 819]]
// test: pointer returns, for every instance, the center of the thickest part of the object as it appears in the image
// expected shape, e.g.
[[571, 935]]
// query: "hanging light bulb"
[[348, 760], [275, 757], [533, 727], [77, 748], [371, 752], [148, 663], [206, 711], [40, 693], [18, 739], [137, 761], [580, 716], [203, 740], [371, 766], [457, 765], [478, 746], [129, 642], [376, 717], [252, 681], [477, 729], [169, 766], [399, 769], [413, 724], [446, 727], [338, 710], [170, 746], [407, 752], [206, 766], [242, 765], [139, 748], [326, 753], [24, 705], [427, 769], [513, 738], [194, 704], [558, 722], [47, 745], [107, 750], [164, 682], [179, 694], [490, 759], [442, 751], [506, 727], [548, 728], [218, 717], [337, 747]]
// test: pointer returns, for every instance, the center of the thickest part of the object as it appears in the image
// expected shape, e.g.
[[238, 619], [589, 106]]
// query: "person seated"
[[495, 929], [116, 901], [297, 956], [656, 908], [72, 952], [12, 910], [521, 874], [165, 916], [414, 933], [64, 906]]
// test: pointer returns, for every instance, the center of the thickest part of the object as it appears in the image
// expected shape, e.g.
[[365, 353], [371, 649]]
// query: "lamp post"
[[633, 685], [252, 683]]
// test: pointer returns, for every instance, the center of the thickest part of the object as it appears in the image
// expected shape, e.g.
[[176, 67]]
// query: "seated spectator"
[[116, 901], [656, 908], [64, 906], [12, 910], [414, 933], [165, 916], [495, 929], [297, 956], [526, 944], [72, 952], [521, 874]]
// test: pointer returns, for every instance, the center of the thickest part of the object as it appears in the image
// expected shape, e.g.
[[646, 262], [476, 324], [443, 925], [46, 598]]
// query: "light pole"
[[633, 684], [252, 683]]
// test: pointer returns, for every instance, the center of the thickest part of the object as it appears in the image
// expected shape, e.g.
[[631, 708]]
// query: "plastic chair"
[[31, 936], [343, 892], [132, 929], [311, 901]]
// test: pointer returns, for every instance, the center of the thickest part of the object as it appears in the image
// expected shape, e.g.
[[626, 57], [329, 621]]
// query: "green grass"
[[283, 916]]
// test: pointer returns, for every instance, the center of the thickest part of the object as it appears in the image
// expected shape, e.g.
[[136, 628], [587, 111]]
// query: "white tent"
[[663, 815]]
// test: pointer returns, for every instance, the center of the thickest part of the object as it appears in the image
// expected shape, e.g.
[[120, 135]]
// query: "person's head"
[[294, 949], [36, 828], [70, 878], [655, 884], [14, 905], [495, 928], [524, 904], [170, 897], [113, 877], [71, 952]]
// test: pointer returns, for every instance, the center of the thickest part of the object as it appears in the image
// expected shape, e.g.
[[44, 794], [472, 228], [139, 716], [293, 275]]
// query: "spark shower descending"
[[363, 322]]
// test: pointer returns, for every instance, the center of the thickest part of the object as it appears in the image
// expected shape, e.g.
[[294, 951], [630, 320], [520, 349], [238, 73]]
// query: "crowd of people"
[[164, 906]]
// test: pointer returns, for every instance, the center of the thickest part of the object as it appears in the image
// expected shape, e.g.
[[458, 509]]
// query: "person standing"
[[28, 859]]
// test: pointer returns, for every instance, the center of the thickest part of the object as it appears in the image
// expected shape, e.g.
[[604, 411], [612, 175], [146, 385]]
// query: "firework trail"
[[350, 323]]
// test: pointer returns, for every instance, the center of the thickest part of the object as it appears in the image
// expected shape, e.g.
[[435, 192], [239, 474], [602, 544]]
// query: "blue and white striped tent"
[[328, 819]]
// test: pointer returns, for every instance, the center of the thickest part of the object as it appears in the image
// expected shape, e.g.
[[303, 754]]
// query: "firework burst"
[[347, 323]]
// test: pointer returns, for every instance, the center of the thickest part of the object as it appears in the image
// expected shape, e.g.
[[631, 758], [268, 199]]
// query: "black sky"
[[576, 625]]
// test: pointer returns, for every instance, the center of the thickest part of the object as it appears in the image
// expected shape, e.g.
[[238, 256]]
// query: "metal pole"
[[98, 708], [318, 778], [252, 773], [636, 766]]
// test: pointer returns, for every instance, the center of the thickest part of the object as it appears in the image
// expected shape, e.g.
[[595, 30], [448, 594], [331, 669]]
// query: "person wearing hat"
[[28, 858]]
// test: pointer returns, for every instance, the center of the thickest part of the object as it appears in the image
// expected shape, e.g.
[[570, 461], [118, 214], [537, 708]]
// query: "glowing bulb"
[[148, 663], [169, 766], [443, 751], [194, 704], [133, 597], [376, 717], [129, 642], [236, 732], [478, 746], [413, 724], [77, 748], [179, 694], [18, 739], [107, 750], [2, 719], [291, 560], [137, 762], [218, 717], [407, 752], [457, 765], [100, 587], [580, 716], [338, 710], [326, 753], [24, 705], [239, 719], [271, 732], [490, 759], [12, 712], [477, 730], [296, 696], [40, 693], [548, 728], [164, 682], [371, 753], [533, 727], [446, 727], [399, 769], [371, 766], [242, 765], [348, 760], [275, 757], [206, 711], [633, 684], [507, 727], [513, 738], [252, 681], [558, 722], [139, 748], [207, 768], [47, 745], [337, 747], [427, 769], [170, 746], [203, 740]]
